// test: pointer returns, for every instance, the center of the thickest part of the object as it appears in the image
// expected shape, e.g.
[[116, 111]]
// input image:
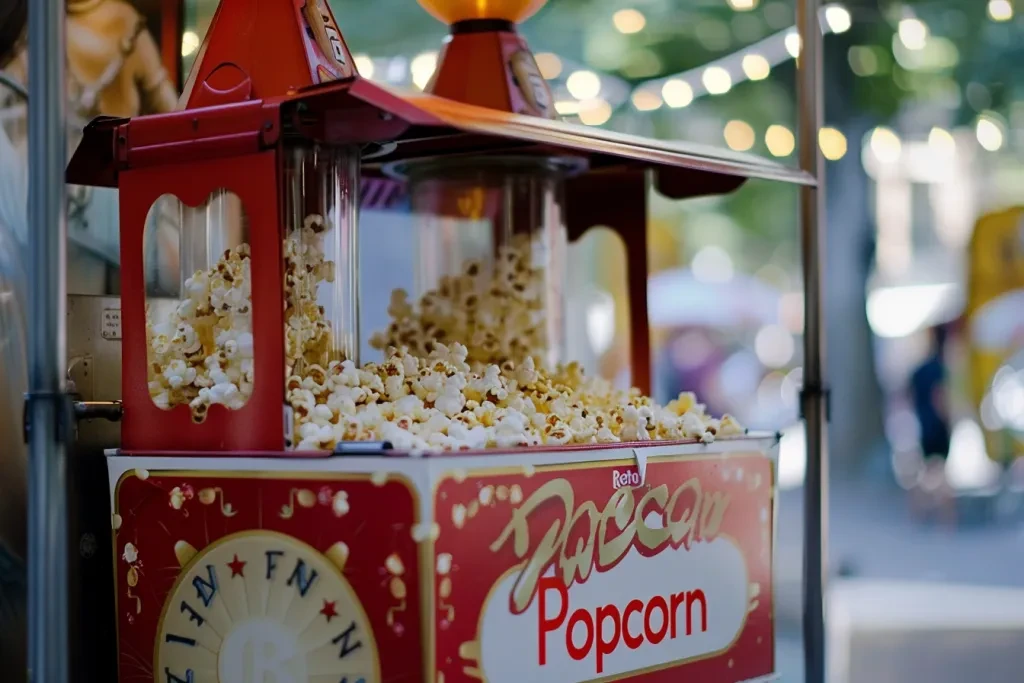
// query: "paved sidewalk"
[[872, 535]]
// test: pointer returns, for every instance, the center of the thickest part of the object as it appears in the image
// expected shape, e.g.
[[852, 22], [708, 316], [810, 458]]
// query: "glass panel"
[[201, 345], [490, 243], [598, 331], [321, 266], [320, 288]]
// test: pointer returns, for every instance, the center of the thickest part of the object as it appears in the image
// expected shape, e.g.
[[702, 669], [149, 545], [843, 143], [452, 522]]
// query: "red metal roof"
[[394, 126]]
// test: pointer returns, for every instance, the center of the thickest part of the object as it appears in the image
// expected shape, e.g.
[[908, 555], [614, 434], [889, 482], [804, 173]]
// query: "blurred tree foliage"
[[979, 69], [683, 34]]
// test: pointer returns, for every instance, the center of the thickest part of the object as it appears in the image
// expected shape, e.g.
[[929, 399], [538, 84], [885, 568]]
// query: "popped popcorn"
[[463, 369], [202, 354], [435, 403], [197, 355], [497, 310]]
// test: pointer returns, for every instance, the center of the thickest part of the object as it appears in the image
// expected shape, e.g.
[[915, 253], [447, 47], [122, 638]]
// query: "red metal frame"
[[258, 425]]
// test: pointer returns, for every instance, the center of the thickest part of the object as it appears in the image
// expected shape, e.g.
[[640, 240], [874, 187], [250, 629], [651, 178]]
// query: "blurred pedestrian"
[[929, 393]]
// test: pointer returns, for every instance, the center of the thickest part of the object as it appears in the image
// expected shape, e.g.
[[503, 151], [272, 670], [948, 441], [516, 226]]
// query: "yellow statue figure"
[[114, 69], [114, 65]]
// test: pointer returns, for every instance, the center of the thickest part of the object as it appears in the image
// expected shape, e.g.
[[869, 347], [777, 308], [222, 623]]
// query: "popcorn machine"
[[473, 507]]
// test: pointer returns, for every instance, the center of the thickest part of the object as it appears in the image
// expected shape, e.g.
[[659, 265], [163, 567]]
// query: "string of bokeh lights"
[[592, 98]]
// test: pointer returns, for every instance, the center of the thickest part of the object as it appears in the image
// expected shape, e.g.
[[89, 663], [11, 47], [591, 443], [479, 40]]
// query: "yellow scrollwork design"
[[304, 497], [209, 497]]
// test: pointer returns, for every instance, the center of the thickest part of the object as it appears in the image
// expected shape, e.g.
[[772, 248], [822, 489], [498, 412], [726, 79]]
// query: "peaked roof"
[[258, 49]]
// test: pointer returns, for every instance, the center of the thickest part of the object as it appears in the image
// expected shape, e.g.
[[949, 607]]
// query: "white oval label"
[[644, 613]]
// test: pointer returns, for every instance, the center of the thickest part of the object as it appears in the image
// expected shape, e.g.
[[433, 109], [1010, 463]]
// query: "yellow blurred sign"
[[995, 269]]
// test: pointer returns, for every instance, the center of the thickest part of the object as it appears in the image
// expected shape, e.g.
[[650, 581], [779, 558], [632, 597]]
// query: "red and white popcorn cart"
[[579, 564], [268, 526]]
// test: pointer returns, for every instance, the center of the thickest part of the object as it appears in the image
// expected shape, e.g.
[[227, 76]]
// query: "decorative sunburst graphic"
[[261, 606]]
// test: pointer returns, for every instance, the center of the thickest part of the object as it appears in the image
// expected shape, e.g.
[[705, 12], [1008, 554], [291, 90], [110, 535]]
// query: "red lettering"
[[578, 653], [632, 642], [606, 626], [692, 597], [606, 647], [674, 602], [656, 637], [546, 624]]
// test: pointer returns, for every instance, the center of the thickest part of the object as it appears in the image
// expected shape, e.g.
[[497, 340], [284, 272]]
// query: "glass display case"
[[490, 258]]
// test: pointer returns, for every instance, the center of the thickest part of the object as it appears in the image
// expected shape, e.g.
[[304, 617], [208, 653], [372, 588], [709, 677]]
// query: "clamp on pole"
[[61, 413], [816, 392], [68, 413]]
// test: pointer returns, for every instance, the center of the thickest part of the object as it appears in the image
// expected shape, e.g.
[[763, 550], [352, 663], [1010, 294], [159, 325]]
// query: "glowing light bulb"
[[780, 140], [550, 65], [739, 135], [913, 33], [885, 145], [743, 5], [364, 65], [595, 112], [677, 93], [833, 144], [989, 133], [646, 100], [629, 21], [838, 18], [794, 43], [422, 68], [717, 80], [189, 43], [583, 85], [756, 67], [1000, 10]]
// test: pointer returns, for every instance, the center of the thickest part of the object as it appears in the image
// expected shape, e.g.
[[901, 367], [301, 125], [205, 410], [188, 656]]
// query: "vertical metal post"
[[47, 404], [814, 399]]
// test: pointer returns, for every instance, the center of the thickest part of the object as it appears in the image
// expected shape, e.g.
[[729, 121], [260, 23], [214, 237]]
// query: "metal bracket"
[[819, 391], [112, 411], [363, 448]]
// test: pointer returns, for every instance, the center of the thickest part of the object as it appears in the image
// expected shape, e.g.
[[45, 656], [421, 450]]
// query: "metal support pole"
[[814, 400], [47, 406]]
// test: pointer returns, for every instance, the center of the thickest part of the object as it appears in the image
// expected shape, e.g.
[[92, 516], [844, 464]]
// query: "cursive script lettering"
[[687, 515]]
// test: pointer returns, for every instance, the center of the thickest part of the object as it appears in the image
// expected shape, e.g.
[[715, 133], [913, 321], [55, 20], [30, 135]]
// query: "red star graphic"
[[329, 611], [236, 567]]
